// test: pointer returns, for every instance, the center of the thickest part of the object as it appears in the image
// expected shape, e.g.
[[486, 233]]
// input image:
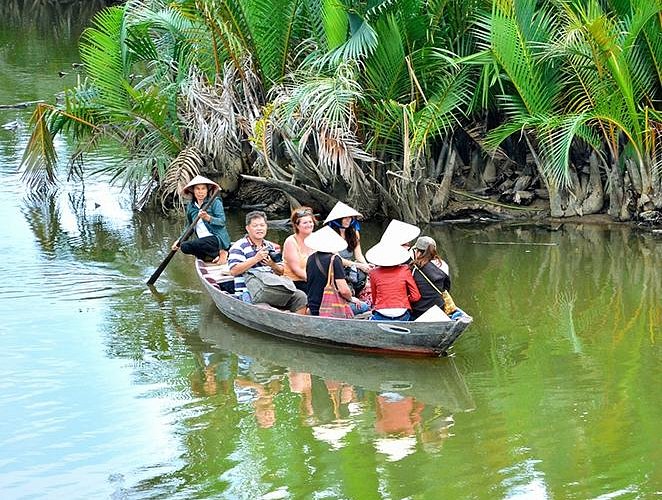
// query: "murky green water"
[[110, 390]]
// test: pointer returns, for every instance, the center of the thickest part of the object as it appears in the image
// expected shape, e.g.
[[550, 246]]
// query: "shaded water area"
[[108, 389]]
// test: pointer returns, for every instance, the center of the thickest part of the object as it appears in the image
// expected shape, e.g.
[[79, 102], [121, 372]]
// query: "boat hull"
[[409, 338]]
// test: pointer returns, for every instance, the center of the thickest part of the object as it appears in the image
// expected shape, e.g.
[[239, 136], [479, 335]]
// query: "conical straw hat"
[[341, 210], [435, 313], [399, 233], [199, 179], [387, 254], [325, 239]]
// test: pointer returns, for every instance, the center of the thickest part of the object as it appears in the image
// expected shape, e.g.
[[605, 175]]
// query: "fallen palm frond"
[[184, 167]]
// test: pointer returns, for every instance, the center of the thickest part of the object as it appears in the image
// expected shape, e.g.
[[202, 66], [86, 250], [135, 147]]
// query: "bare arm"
[[361, 263], [291, 256], [343, 289]]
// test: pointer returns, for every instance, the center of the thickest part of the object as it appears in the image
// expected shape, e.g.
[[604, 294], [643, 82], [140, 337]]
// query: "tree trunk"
[[594, 192], [306, 195], [616, 192], [440, 198]]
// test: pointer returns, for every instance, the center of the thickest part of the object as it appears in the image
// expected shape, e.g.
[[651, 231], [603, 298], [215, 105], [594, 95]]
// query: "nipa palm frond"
[[536, 86], [443, 110], [39, 160], [360, 45], [104, 53], [386, 70], [556, 136], [188, 164]]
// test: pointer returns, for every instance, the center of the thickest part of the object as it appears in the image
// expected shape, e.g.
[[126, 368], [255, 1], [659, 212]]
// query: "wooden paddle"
[[182, 238]]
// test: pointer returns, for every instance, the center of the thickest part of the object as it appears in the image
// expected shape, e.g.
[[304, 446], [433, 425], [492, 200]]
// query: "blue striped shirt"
[[240, 251]]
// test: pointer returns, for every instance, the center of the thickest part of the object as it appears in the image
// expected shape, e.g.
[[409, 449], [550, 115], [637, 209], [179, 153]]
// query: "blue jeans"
[[376, 316], [359, 308]]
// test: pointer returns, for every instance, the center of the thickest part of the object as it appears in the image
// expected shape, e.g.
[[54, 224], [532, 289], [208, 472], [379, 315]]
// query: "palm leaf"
[[180, 171], [272, 26], [39, 162], [335, 24], [361, 43], [105, 56], [536, 86], [443, 111], [385, 70]]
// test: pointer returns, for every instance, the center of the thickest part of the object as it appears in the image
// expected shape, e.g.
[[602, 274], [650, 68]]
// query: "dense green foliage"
[[381, 103]]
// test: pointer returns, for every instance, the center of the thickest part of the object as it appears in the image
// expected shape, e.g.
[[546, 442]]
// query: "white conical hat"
[[387, 254], [199, 179], [435, 313], [341, 210], [325, 239], [399, 233]]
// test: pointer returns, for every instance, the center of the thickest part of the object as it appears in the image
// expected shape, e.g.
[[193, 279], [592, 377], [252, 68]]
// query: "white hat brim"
[[399, 233], [325, 239], [199, 179], [387, 254], [341, 210]]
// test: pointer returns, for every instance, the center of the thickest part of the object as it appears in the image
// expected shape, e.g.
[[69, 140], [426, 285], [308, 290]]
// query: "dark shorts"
[[203, 248]]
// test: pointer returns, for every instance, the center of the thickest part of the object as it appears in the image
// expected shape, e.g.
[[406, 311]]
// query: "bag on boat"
[[333, 304], [269, 288], [449, 305]]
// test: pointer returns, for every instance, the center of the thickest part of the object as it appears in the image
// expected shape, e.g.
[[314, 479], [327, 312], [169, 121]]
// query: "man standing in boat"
[[255, 255]]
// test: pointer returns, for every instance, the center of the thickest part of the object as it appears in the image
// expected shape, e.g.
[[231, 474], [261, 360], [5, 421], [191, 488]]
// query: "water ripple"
[[68, 281]]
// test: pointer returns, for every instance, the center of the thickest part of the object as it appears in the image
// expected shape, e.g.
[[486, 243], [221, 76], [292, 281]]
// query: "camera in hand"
[[275, 256]]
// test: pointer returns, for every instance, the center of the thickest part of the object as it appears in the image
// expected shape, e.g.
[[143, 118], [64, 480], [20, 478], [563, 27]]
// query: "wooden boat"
[[433, 381], [413, 338]]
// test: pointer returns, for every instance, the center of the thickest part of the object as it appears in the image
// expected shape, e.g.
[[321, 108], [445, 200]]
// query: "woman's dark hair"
[[422, 257], [351, 236]]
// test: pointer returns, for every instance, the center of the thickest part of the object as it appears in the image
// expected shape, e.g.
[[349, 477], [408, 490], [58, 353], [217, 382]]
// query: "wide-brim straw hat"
[[387, 254], [199, 179], [341, 210], [325, 239], [399, 233]]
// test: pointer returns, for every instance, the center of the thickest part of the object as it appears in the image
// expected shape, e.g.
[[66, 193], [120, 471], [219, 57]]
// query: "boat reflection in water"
[[412, 400]]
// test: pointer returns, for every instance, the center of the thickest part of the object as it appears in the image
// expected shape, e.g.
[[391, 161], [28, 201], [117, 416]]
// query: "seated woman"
[[213, 241], [391, 283], [295, 250], [326, 243], [342, 219], [431, 275]]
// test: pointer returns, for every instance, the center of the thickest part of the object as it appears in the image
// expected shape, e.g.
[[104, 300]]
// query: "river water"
[[110, 390]]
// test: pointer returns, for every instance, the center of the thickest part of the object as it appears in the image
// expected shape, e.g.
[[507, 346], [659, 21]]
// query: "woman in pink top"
[[391, 283], [295, 251]]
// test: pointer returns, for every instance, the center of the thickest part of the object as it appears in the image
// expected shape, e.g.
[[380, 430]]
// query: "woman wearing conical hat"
[[392, 286], [213, 240], [343, 220], [326, 245]]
